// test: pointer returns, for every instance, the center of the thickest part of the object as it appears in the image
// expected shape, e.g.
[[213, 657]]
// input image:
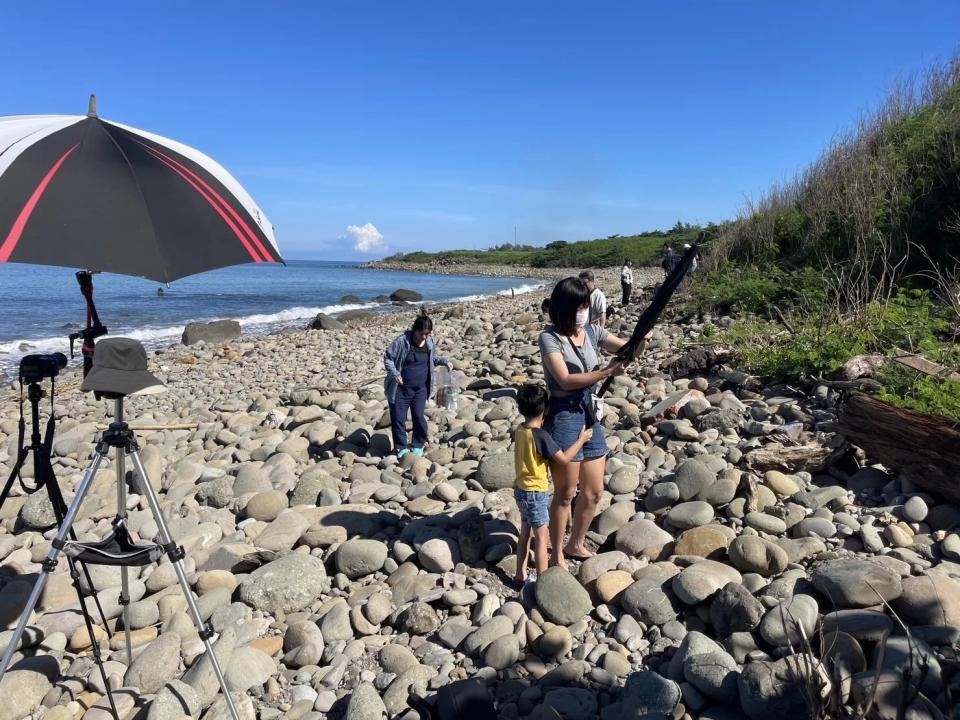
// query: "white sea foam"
[[156, 337], [518, 290]]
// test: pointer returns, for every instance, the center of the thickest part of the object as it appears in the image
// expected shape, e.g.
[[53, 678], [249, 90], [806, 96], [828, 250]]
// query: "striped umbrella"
[[83, 192]]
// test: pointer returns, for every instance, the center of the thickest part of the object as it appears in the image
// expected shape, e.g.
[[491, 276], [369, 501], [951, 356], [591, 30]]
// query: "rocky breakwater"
[[338, 579]]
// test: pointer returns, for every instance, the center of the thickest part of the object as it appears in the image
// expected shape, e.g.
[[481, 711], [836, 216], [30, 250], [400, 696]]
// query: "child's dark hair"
[[532, 400], [423, 323]]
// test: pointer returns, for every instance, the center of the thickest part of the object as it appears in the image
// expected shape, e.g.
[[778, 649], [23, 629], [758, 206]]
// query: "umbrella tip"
[[92, 107]]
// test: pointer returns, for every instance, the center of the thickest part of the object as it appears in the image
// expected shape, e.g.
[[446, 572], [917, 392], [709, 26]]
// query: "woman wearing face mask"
[[570, 351], [409, 361]]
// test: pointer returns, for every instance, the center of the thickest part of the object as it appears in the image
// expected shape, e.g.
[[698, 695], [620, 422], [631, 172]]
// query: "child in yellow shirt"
[[533, 449]]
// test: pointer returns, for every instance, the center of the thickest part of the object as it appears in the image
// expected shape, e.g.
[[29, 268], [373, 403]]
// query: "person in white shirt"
[[626, 281], [598, 301]]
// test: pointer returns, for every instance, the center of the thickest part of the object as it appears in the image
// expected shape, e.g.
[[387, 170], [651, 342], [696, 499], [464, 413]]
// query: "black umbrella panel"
[[82, 192], [657, 305]]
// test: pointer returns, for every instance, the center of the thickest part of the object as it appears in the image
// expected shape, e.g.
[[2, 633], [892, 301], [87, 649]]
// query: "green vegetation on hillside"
[[642, 249], [858, 254], [885, 196]]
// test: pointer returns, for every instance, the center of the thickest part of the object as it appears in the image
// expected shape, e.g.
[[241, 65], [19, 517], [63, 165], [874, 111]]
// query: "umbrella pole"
[[94, 328]]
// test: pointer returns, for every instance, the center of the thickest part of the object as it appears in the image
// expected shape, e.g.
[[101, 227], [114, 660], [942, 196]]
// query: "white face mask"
[[582, 317]]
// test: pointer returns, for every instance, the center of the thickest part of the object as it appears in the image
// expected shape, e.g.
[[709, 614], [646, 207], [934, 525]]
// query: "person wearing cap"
[[120, 368]]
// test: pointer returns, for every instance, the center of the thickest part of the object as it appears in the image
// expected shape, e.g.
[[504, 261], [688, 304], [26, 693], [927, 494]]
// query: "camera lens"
[[59, 359]]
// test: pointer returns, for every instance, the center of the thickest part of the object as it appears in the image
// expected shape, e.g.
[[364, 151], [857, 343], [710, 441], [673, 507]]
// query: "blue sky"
[[449, 124]]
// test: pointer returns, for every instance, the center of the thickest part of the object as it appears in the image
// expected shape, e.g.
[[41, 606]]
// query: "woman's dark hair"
[[568, 296], [545, 306], [531, 400], [423, 323]]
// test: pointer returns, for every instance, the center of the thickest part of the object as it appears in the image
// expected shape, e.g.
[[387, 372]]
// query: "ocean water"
[[40, 306]]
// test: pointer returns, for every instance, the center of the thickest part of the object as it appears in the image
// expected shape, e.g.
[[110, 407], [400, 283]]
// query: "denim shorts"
[[564, 422], [534, 506]]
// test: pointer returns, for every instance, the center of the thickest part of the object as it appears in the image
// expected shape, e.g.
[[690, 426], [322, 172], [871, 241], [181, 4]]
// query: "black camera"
[[34, 368]]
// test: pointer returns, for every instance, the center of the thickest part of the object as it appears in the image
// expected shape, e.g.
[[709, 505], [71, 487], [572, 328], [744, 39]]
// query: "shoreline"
[[255, 324], [480, 269]]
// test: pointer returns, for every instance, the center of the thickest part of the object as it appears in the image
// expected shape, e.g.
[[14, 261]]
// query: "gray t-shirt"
[[552, 341]]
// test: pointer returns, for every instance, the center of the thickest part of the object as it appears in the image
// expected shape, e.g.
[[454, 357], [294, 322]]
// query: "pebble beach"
[[728, 581]]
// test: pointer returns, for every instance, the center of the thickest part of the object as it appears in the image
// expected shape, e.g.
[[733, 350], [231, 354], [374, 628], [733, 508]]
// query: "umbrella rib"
[[136, 181], [32, 132]]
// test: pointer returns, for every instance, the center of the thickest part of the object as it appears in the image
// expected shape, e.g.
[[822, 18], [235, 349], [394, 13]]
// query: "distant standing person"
[[570, 353], [534, 449], [626, 281], [598, 301], [409, 361], [669, 260]]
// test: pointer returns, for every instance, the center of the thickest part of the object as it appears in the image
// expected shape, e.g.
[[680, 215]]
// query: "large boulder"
[[852, 582], [774, 689], [402, 295], [290, 584], [561, 597], [324, 322], [496, 471], [23, 687], [156, 664], [211, 333]]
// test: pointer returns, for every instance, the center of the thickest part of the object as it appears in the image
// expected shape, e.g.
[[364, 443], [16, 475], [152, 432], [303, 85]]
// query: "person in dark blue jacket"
[[409, 361]]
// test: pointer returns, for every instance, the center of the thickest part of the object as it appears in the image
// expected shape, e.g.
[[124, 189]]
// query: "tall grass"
[[888, 186]]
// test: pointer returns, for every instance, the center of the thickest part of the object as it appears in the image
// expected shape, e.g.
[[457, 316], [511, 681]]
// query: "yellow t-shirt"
[[533, 447]]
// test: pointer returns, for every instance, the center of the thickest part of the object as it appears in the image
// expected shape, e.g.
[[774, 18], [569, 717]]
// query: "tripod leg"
[[21, 459], [176, 557], [50, 564], [124, 575], [59, 510]]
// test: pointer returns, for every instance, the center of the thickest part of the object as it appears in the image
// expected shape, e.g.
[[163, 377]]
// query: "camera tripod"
[[45, 479], [118, 548]]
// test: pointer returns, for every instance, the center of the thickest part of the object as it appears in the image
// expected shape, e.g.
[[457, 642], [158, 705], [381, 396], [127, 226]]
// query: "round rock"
[[851, 582], [289, 584], [690, 514], [639, 535], [358, 558], [692, 477], [915, 509], [560, 597], [754, 554]]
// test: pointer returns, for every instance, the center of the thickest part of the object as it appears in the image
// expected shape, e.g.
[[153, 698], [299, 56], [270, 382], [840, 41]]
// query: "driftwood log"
[[811, 458], [923, 448]]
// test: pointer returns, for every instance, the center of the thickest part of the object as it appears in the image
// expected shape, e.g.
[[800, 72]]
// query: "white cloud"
[[366, 238]]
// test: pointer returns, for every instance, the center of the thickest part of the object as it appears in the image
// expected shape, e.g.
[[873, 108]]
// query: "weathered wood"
[[921, 364], [151, 428], [811, 458], [923, 448]]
